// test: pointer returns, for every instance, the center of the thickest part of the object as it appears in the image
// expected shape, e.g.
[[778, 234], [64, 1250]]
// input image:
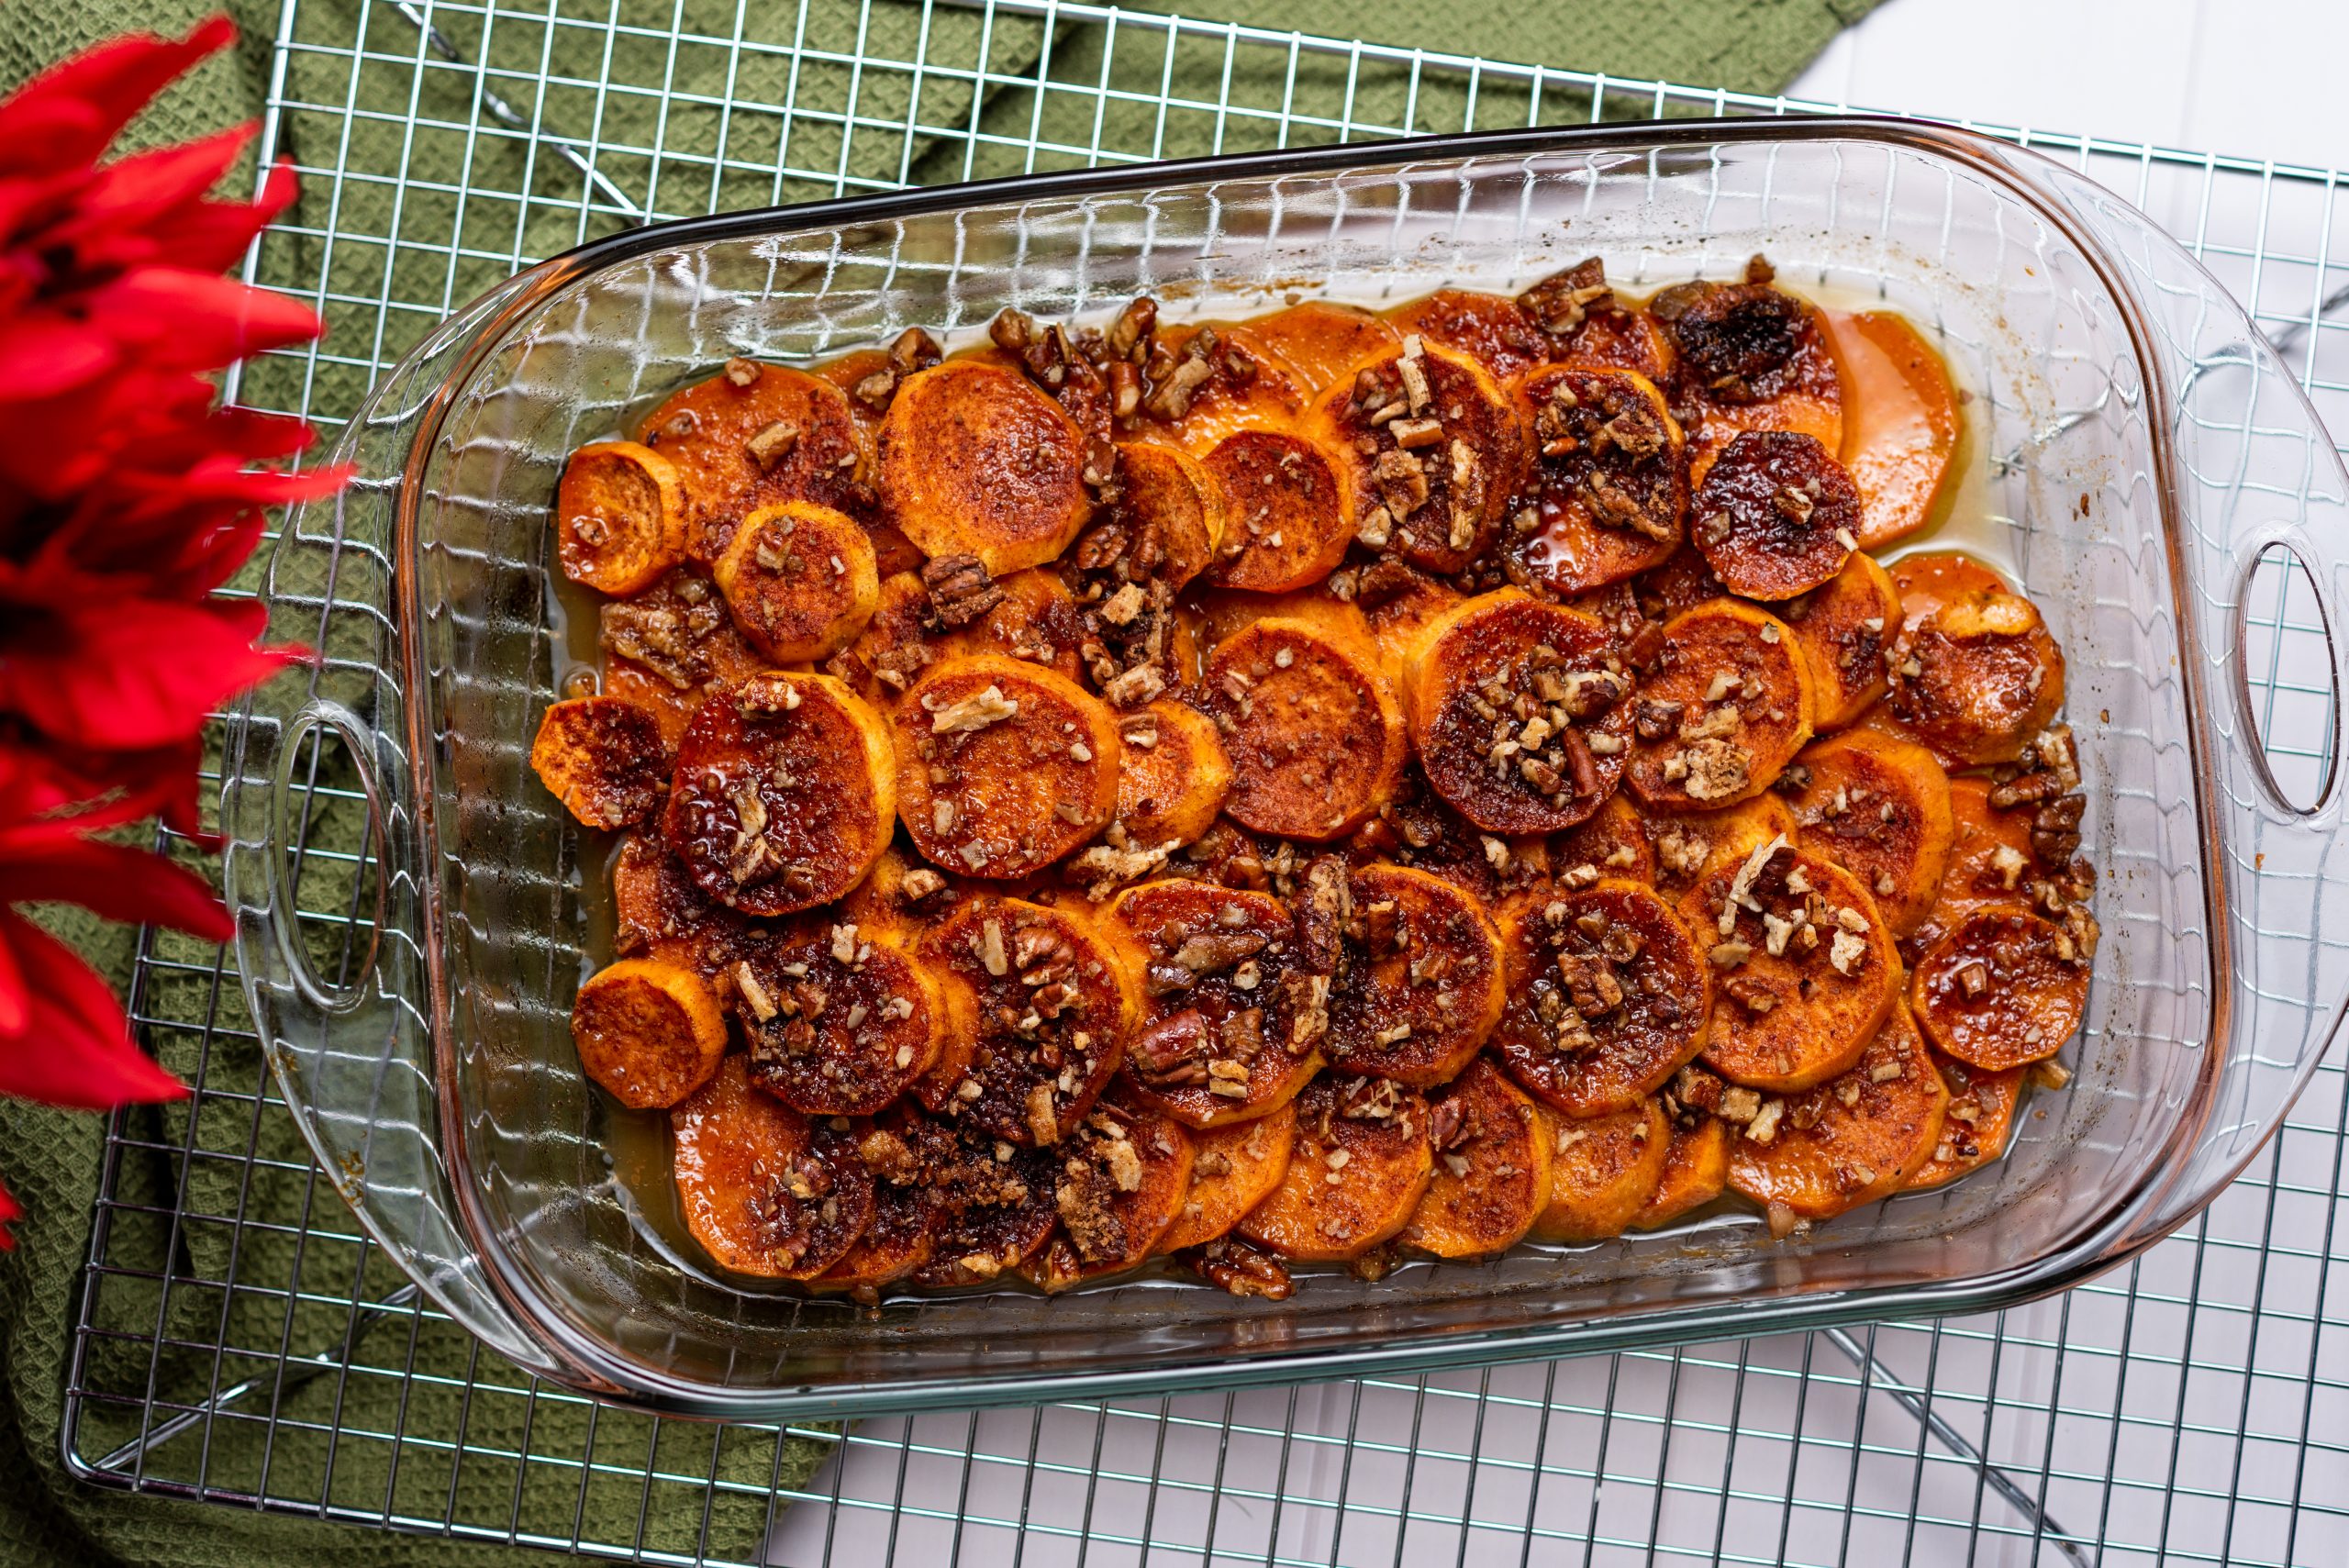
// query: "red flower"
[[127, 498]]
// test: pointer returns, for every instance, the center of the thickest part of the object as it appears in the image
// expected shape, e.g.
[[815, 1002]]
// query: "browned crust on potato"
[[1420, 987], [1727, 710], [1398, 603], [903, 1233], [782, 436], [840, 1022], [1313, 731], [619, 518], [1603, 1171], [1125, 1175], [1173, 778], [975, 460], [1695, 1172], [1777, 515], [1002, 767], [766, 1192], [1320, 340], [1417, 829], [648, 1030], [1491, 1177], [659, 911], [1748, 357], [785, 792], [2006, 987], [1489, 328], [1978, 677], [1686, 841], [1613, 842], [1035, 619], [1589, 323], [993, 1214], [1608, 993], [1171, 510], [603, 757], [1288, 510], [799, 580], [1844, 629], [1360, 1163], [1681, 583], [1990, 861], [664, 649], [1850, 1142], [1233, 1168], [1610, 481], [1878, 806], [1979, 1120], [1234, 382]]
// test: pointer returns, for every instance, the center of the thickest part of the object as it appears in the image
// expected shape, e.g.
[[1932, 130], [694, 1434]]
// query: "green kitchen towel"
[[233, 1281]]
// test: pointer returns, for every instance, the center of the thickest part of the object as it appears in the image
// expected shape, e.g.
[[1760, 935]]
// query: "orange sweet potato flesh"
[[1879, 807], [1173, 778], [1422, 988], [1125, 1175], [1170, 496], [1288, 510], [2004, 987], [1610, 477], [1686, 841], [1252, 389], [1360, 1163], [764, 1191], [1603, 1170], [619, 518], [901, 1238], [1589, 323], [648, 1032], [1312, 728], [1491, 1178], [1929, 579], [1978, 677], [1732, 705], [1980, 1119], [660, 912], [975, 460], [1850, 1142], [1901, 422], [1036, 621], [800, 581], [1990, 859], [840, 1022], [1488, 328], [1612, 842], [1776, 514], [1695, 1172], [1233, 1168], [1320, 342], [782, 436], [1749, 357], [1845, 629], [603, 757]]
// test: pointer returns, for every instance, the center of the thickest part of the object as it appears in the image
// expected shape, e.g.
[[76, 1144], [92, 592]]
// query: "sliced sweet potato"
[[1682, 582], [665, 648], [1978, 677], [1878, 806], [1518, 712], [1233, 1168], [1490, 329], [1360, 1163], [1804, 967], [2004, 988], [1588, 322], [766, 1191], [1231, 1021], [838, 1023], [1046, 1006], [1609, 481], [800, 581], [1320, 340], [619, 518], [1421, 988], [1172, 777], [993, 1214], [1695, 1172], [1209, 380], [753, 436], [1418, 829], [648, 1032], [1609, 992], [1313, 730], [1725, 711], [1398, 603], [1929, 579], [1901, 429], [1777, 515], [1491, 1178], [1748, 356], [1849, 1141], [1990, 860], [659, 911], [1171, 510], [1125, 1175], [849, 371], [1002, 767], [1979, 1120], [1612, 842], [975, 460], [603, 757], [1028, 616], [785, 792], [1603, 1170], [1437, 451], [1844, 627], [903, 1233], [1288, 508], [1686, 841]]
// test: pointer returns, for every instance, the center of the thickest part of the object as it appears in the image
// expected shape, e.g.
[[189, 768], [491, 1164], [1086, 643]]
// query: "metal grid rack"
[[2192, 1406]]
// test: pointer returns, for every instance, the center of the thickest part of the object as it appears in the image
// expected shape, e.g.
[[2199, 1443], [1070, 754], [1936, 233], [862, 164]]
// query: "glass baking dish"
[[2138, 447]]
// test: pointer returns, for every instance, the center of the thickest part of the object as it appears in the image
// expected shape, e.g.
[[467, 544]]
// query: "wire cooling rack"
[[2190, 1408]]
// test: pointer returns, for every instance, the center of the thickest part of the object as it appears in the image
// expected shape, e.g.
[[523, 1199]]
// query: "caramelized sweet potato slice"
[[660, 912], [1209, 380], [975, 460], [1804, 967], [1686, 841], [1491, 1178], [993, 1214], [1931, 579], [1171, 510], [1233, 1168], [1437, 451], [800, 581], [1612, 842], [603, 757], [1777, 515], [1682, 582], [1028, 616], [665, 648], [648, 1030], [1610, 478], [1603, 1170], [1588, 323], [1979, 1120], [1695, 1172], [903, 1233], [1977, 678], [1849, 1141], [1232, 1020], [619, 518], [838, 1023], [785, 792], [1724, 713], [1360, 1163], [754, 436], [1607, 995], [1172, 777], [1749, 357], [1844, 629], [1125, 1175], [1417, 829], [1989, 860], [1288, 508], [1313, 731], [1901, 423], [1518, 712], [2004, 988], [1490, 329], [1398, 603], [1046, 1006], [1320, 340], [1421, 988], [766, 1191], [1002, 767], [1878, 806]]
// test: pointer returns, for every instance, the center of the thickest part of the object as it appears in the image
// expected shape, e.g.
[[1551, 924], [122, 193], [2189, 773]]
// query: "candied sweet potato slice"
[[1878, 806], [1852, 1140], [1686, 841], [1312, 728], [766, 1191], [993, 1215], [1231, 1021], [1747, 356], [1588, 322], [1610, 481], [1901, 429], [1979, 1120], [2004, 988], [1518, 712], [1989, 861], [1978, 677], [1695, 1172], [1398, 603], [1125, 1175], [649, 1030], [603, 757], [1929, 579], [659, 911], [1603, 1170], [975, 460], [838, 1023], [785, 792], [664, 649], [1288, 510], [1320, 340], [1727, 709], [1491, 1178], [1002, 767], [1845, 629], [1421, 988], [620, 517], [903, 1233], [1490, 329], [1612, 842], [1359, 1165], [1804, 967], [1173, 778], [1030, 616], [1607, 995], [753, 436], [1170, 509], [1233, 1168], [1211, 379], [1777, 515], [1682, 582], [800, 581]]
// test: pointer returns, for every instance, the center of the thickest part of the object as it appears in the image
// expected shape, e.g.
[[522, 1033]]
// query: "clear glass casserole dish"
[[2137, 444]]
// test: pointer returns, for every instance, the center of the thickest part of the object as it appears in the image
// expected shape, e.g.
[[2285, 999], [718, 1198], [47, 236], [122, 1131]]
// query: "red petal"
[[39, 864], [184, 320], [70, 112], [43, 355], [135, 674], [75, 1048], [16, 995], [134, 190]]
